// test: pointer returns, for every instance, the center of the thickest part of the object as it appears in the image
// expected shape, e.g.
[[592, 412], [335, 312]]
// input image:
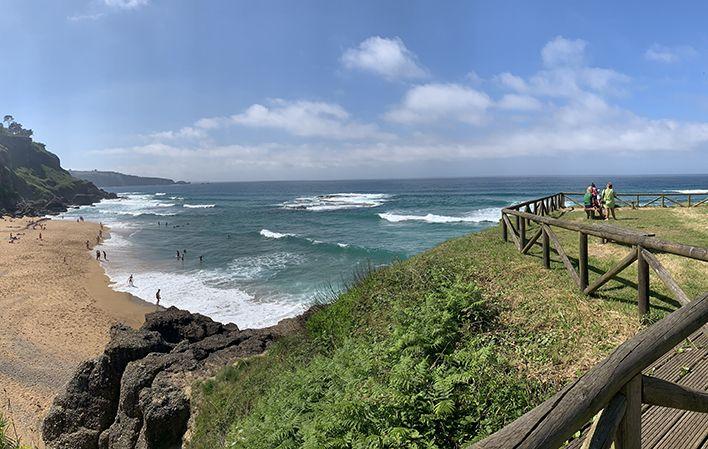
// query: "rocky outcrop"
[[32, 181], [136, 395]]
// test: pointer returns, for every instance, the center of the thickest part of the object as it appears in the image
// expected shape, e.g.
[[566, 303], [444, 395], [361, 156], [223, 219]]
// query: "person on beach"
[[608, 197], [40, 236], [179, 256], [98, 240], [130, 281], [157, 296], [98, 255], [87, 245], [201, 259], [104, 256]]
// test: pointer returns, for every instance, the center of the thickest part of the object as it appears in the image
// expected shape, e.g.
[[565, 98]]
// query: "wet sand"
[[56, 309]]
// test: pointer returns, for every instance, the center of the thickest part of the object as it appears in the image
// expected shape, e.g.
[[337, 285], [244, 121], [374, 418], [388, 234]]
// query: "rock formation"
[[136, 395]]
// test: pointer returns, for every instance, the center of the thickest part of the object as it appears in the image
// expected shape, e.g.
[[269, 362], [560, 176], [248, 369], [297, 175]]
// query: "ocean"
[[270, 248]]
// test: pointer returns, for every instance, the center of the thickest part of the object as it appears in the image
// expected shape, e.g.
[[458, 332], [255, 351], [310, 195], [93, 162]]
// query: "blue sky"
[[246, 90]]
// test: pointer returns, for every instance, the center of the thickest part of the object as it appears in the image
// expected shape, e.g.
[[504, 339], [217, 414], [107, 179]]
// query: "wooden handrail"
[[619, 235], [553, 422]]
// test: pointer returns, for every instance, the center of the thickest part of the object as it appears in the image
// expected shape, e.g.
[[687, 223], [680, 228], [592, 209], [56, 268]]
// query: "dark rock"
[[176, 325], [136, 394]]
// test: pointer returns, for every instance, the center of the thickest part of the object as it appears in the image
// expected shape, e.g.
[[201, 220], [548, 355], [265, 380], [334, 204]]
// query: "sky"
[[232, 90]]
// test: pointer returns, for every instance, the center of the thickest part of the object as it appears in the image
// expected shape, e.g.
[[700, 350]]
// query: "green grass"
[[8, 438], [439, 350]]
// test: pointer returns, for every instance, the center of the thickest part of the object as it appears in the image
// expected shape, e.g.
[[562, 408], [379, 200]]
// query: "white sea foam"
[[482, 215], [274, 235], [343, 245], [199, 206], [176, 197], [160, 194], [337, 201], [194, 292], [692, 191], [165, 204]]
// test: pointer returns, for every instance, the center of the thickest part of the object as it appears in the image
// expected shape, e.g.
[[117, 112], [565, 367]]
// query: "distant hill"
[[115, 179], [32, 181]]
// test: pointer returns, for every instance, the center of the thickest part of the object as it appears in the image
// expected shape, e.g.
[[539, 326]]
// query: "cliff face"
[[115, 179], [32, 181]]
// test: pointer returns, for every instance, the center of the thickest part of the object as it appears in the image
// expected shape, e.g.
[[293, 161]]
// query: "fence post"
[[522, 234], [629, 434], [583, 261], [642, 283], [546, 250], [504, 229], [662, 201], [689, 200]]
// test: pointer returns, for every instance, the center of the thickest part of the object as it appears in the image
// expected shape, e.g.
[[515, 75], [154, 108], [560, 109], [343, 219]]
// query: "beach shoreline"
[[57, 308]]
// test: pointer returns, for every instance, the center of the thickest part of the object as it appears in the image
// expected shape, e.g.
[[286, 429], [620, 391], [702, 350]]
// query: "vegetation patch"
[[436, 351]]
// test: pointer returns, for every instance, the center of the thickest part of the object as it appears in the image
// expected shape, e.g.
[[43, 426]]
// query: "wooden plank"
[[651, 202], [505, 231], [546, 249], [602, 280], [522, 234], [532, 241], [629, 434], [642, 283], [602, 432], [583, 260], [563, 256], [665, 277], [700, 202], [663, 393], [673, 201], [513, 234], [554, 421]]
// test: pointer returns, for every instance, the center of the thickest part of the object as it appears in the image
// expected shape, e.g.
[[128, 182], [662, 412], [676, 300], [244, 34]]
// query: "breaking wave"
[[491, 214], [336, 201]]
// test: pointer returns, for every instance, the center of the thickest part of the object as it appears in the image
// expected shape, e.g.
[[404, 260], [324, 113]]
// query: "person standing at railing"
[[608, 197]]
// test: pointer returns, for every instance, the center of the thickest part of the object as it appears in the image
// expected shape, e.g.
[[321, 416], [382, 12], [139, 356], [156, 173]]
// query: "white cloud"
[[668, 55], [385, 57], [126, 4], [298, 118], [563, 52], [512, 82], [433, 102], [306, 119], [85, 17], [515, 102]]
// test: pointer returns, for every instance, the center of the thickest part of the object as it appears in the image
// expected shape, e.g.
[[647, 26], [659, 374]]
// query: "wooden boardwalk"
[[670, 428]]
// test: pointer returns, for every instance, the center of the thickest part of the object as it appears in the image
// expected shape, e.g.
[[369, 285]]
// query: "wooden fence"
[[616, 387], [636, 200], [643, 246]]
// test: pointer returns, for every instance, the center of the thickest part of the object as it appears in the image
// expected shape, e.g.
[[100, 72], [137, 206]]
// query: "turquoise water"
[[269, 248]]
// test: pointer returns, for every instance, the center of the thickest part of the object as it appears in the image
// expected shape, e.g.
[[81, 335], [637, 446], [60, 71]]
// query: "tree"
[[8, 119], [14, 128]]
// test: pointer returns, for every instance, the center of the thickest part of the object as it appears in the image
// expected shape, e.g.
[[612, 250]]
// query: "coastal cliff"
[[32, 181], [115, 179]]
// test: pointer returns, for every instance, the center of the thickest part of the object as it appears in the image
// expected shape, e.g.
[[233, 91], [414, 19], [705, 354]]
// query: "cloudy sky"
[[211, 90]]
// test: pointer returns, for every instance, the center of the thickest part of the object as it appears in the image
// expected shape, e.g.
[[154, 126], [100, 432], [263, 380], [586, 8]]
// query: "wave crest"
[[491, 214], [337, 201]]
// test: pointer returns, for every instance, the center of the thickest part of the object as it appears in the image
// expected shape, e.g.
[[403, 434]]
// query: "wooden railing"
[[616, 387], [635, 200], [643, 246]]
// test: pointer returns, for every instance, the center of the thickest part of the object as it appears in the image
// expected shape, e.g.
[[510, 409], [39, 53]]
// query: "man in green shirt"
[[608, 197]]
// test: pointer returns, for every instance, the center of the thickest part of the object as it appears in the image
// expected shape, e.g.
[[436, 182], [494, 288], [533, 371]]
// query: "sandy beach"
[[55, 311]]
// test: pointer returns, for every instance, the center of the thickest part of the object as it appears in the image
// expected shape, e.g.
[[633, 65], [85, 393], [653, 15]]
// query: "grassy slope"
[[441, 349]]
